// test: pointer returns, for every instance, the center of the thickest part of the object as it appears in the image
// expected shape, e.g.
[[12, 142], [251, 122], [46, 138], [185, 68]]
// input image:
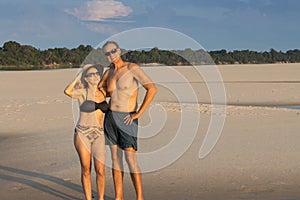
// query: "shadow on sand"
[[55, 192]]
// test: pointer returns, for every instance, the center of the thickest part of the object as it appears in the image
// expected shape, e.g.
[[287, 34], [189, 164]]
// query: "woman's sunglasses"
[[113, 51], [92, 74]]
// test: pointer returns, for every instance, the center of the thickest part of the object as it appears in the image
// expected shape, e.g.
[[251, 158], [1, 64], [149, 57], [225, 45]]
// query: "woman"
[[88, 137]]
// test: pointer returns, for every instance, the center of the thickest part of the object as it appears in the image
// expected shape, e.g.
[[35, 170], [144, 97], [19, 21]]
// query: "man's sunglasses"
[[92, 74], [113, 51]]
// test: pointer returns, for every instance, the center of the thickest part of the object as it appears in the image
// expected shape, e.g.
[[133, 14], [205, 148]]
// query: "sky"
[[215, 24]]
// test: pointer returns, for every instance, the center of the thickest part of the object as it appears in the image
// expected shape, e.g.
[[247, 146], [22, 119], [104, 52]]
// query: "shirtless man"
[[121, 122]]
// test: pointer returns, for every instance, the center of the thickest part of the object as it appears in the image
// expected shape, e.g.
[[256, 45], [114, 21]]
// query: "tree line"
[[16, 56]]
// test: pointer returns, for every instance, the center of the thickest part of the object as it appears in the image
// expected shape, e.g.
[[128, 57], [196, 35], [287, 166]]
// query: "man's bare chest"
[[121, 80]]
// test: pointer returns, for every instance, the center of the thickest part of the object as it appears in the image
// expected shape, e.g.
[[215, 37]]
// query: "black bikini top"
[[91, 106]]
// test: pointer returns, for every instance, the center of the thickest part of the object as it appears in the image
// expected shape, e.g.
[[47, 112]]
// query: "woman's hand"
[[79, 85]]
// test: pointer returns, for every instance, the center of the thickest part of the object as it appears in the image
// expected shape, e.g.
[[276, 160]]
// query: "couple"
[[120, 83]]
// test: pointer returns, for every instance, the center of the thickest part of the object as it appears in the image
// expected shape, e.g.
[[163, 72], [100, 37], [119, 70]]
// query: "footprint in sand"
[[255, 190], [18, 188]]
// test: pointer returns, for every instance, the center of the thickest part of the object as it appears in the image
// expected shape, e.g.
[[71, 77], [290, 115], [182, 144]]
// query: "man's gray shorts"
[[117, 132]]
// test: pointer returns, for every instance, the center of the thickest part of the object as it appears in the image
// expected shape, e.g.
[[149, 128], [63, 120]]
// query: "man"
[[121, 121]]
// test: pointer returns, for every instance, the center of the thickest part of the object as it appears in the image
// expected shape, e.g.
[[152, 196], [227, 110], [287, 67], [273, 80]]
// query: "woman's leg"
[[98, 151], [81, 144]]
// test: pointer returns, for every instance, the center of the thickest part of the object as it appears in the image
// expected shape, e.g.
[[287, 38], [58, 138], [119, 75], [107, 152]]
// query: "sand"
[[255, 157]]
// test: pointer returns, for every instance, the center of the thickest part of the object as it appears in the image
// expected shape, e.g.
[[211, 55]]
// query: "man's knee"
[[117, 158], [131, 160]]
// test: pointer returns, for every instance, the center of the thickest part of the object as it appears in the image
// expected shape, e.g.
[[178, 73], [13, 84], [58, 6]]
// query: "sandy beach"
[[255, 157]]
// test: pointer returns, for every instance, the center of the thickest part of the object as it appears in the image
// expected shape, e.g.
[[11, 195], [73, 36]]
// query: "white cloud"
[[101, 10]]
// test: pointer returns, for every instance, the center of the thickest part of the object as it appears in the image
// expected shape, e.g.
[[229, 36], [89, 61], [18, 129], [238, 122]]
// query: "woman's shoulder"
[[79, 93]]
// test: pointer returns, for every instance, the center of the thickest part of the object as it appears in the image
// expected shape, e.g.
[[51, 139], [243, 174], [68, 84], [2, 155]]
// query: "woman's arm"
[[71, 90], [102, 86]]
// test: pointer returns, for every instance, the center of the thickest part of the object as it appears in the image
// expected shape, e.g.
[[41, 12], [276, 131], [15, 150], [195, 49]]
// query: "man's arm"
[[147, 83]]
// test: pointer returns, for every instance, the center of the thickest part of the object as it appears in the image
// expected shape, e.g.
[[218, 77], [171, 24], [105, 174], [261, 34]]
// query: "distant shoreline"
[[33, 68], [15, 56]]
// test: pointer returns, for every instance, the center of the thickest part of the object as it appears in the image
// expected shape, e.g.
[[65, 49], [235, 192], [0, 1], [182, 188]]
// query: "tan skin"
[[76, 90], [121, 83]]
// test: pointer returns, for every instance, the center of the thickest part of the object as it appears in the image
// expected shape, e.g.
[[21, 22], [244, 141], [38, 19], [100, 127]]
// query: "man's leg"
[[117, 170], [135, 172]]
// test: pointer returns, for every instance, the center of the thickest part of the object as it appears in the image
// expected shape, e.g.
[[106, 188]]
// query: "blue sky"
[[215, 24]]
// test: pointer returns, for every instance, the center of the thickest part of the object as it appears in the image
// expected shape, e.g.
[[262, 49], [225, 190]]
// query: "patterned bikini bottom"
[[90, 132]]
